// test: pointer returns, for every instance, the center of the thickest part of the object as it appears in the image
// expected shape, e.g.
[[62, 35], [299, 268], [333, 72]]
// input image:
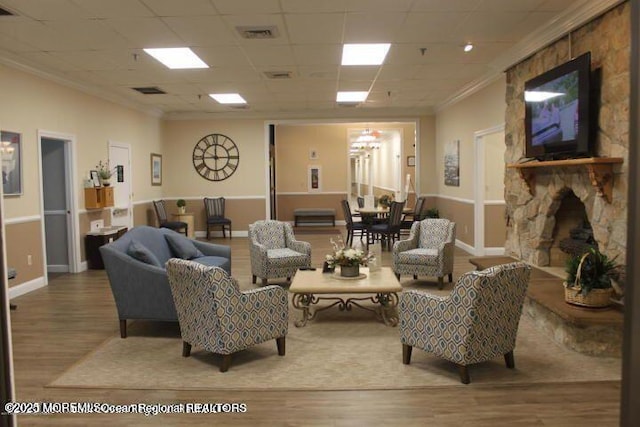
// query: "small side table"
[[95, 239], [187, 217]]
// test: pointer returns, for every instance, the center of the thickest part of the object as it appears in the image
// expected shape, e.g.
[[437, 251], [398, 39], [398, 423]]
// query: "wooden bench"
[[308, 215]]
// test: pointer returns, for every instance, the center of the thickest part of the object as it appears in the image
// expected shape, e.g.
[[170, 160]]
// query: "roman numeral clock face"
[[216, 157]]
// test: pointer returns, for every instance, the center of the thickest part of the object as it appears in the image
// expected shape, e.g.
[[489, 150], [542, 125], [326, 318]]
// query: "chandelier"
[[369, 139]]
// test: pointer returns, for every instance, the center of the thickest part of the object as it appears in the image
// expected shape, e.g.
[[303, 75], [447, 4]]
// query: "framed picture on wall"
[[411, 161], [95, 178], [156, 169], [11, 150], [313, 154], [452, 163], [314, 183]]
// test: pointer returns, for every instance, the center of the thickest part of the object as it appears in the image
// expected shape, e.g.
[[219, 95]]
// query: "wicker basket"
[[596, 298]]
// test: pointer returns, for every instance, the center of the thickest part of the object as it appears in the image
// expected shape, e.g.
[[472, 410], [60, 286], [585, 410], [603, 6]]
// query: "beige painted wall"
[[482, 110], [427, 167], [494, 166], [24, 239], [180, 179]]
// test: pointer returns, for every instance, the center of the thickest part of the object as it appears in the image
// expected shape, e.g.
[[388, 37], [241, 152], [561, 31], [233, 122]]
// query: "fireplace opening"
[[572, 234]]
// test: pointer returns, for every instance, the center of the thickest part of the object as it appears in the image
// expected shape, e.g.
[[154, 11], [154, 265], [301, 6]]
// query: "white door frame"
[[73, 233], [479, 202], [128, 175]]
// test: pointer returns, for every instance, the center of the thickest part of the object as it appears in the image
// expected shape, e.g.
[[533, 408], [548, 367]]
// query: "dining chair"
[[214, 208], [353, 226], [163, 220], [409, 218], [389, 231]]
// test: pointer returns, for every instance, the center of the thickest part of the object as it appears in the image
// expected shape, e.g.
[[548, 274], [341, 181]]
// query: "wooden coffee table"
[[382, 285]]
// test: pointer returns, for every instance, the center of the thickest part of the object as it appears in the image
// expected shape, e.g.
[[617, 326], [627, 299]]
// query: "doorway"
[[120, 162], [489, 191], [59, 213]]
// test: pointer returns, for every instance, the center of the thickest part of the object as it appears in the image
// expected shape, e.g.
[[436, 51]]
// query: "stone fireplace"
[[540, 200]]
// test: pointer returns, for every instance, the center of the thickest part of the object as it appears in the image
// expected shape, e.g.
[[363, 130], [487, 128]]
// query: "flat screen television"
[[557, 122]]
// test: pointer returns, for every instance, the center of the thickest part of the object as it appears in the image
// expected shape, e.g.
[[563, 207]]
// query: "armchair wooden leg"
[[230, 235], [415, 277], [440, 282], [406, 354], [464, 374], [265, 282], [280, 342], [253, 279], [450, 277], [123, 328], [207, 232], [509, 360], [226, 362], [186, 349], [397, 276]]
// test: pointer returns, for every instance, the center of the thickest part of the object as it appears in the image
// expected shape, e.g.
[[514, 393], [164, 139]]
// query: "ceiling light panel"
[[364, 54], [177, 58], [228, 98], [352, 96]]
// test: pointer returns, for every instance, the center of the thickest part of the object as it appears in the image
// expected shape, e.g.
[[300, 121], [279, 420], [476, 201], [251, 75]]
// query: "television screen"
[[557, 111]]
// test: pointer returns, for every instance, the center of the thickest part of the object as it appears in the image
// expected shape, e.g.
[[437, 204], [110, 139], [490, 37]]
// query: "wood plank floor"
[[57, 325]]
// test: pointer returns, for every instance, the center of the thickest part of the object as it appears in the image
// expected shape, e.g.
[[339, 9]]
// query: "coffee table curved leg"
[[388, 308], [303, 302]]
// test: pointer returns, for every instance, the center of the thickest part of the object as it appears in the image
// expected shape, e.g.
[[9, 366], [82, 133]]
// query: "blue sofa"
[[135, 265]]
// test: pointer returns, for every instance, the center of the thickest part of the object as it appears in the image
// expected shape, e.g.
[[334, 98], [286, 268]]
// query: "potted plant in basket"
[[348, 259], [181, 203], [385, 200], [589, 279]]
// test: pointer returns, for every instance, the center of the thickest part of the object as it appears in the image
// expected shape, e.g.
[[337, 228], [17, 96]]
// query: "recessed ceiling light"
[[177, 57], [468, 47], [354, 96], [228, 98], [364, 54]]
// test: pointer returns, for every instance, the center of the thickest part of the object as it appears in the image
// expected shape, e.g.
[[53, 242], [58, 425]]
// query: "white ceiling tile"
[[49, 10], [398, 72], [235, 7], [221, 74], [354, 85], [145, 32], [180, 8], [379, 5], [433, 27], [52, 62], [93, 60], [320, 28], [359, 72], [114, 8], [447, 5], [318, 54], [201, 30], [269, 55], [222, 56], [367, 27], [313, 6], [319, 72], [11, 44]]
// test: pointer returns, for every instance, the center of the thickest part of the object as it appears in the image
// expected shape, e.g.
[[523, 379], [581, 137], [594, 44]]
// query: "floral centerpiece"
[[104, 172], [385, 200], [348, 259]]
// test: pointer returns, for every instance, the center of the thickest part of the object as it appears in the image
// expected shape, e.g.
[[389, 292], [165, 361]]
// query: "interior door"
[[120, 161], [56, 201]]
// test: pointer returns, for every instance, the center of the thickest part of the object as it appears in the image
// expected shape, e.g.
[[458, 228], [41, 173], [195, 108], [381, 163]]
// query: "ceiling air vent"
[[278, 74], [149, 90], [259, 32], [5, 12]]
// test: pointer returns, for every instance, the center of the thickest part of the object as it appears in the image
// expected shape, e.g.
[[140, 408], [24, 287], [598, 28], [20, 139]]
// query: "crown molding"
[[574, 17]]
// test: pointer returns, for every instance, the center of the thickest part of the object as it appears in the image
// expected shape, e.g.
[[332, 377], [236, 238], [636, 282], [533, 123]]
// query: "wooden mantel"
[[600, 171]]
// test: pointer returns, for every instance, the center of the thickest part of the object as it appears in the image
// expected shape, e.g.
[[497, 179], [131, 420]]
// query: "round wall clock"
[[216, 157]]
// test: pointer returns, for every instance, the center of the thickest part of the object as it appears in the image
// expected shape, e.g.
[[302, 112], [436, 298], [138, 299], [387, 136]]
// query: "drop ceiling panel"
[[447, 5], [11, 44], [93, 60], [379, 5], [222, 56], [398, 72], [313, 6], [114, 8], [367, 28], [222, 74], [329, 72], [46, 10], [317, 54], [359, 73], [318, 29], [254, 7], [180, 8], [201, 30], [269, 55], [145, 32], [436, 27]]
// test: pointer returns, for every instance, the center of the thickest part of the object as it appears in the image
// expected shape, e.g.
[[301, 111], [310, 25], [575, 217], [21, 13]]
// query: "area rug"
[[336, 351]]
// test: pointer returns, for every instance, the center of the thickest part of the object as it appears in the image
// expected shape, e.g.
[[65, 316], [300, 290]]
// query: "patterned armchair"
[[215, 315], [275, 252], [428, 251], [477, 322]]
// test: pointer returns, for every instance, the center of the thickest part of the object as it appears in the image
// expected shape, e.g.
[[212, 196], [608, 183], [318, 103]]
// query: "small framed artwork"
[[156, 169], [411, 161], [313, 154], [452, 163], [314, 178], [95, 178], [11, 150]]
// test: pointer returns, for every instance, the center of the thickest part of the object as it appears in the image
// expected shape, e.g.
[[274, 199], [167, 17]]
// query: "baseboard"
[[84, 266], [460, 244], [26, 287]]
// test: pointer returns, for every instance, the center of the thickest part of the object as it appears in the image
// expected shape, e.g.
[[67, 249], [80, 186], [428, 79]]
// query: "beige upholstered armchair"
[[428, 251], [215, 315], [275, 252], [477, 322]]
